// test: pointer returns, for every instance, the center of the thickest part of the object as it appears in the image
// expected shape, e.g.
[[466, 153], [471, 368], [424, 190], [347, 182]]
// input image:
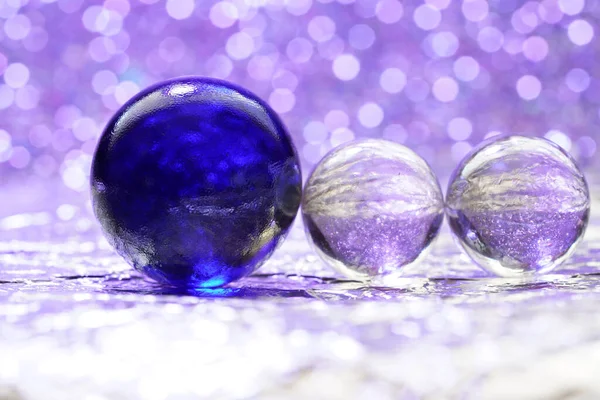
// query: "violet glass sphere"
[[371, 207], [518, 205], [195, 182]]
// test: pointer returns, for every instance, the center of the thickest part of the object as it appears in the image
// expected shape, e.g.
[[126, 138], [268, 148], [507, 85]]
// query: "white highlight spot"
[[180, 9], [282, 100], [223, 14], [529, 87], [445, 89], [321, 28], [370, 115], [459, 129], [466, 68], [577, 80], [240, 45], [580, 32], [559, 138], [389, 11], [16, 75], [427, 17], [346, 67], [392, 80]]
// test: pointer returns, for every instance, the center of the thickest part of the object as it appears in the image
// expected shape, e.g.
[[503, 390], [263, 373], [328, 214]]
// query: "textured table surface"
[[77, 323]]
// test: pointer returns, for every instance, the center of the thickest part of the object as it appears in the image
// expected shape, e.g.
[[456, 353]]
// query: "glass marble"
[[371, 207], [195, 182], [518, 205]]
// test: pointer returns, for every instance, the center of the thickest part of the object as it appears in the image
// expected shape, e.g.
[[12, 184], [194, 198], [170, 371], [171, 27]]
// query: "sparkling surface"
[[195, 182], [518, 205], [371, 207]]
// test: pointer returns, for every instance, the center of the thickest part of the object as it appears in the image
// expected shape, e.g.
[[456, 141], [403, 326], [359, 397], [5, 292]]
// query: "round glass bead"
[[371, 207], [195, 182], [518, 205]]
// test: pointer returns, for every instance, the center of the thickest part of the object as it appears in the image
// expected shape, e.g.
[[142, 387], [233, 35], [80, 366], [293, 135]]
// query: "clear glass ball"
[[371, 207], [518, 205]]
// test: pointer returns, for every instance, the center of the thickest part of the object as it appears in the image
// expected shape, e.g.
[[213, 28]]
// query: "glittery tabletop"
[[76, 322]]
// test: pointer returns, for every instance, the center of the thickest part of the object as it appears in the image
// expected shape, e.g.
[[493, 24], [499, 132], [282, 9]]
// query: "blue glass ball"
[[195, 182]]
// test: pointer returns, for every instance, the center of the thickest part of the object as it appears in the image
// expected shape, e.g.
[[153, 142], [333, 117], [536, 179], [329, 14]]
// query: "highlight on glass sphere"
[[370, 208], [195, 182], [518, 205]]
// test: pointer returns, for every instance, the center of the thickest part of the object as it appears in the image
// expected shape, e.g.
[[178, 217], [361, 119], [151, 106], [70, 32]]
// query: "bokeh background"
[[436, 75]]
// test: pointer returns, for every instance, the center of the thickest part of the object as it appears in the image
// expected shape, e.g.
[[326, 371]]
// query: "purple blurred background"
[[436, 75]]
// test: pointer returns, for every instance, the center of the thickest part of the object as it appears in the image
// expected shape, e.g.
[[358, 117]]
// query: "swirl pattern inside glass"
[[518, 205], [371, 207]]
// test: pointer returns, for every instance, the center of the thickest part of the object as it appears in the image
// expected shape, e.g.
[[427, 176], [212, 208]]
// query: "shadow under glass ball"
[[518, 205], [195, 182], [371, 207]]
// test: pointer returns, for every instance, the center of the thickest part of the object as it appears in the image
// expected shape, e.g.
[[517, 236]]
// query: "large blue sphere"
[[195, 182]]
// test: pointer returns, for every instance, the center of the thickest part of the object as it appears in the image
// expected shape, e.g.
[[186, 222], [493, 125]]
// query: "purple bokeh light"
[[438, 76]]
